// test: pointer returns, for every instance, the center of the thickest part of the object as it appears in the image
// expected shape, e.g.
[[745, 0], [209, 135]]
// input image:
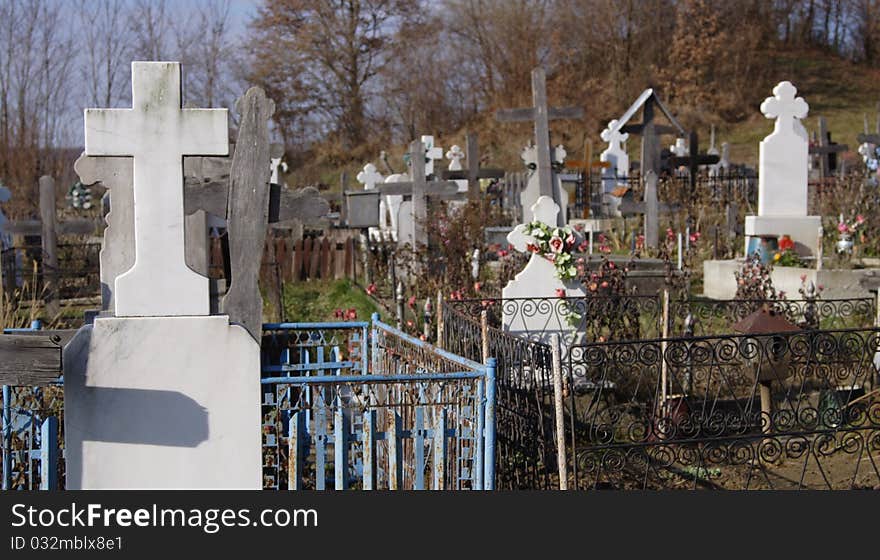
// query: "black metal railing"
[[782, 411]]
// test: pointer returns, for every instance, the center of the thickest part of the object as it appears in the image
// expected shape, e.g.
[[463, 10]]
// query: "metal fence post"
[[49, 454], [7, 437], [489, 427], [400, 309], [562, 465]]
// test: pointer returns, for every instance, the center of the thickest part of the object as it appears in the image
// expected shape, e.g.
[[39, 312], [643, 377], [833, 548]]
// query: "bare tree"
[[104, 27]]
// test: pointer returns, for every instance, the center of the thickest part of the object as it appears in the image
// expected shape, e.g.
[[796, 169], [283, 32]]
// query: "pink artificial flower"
[[842, 227], [352, 314], [860, 219], [371, 289], [476, 286], [411, 301], [604, 284], [803, 278], [556, 244], [570, 240], [560, 292], [583, 246]]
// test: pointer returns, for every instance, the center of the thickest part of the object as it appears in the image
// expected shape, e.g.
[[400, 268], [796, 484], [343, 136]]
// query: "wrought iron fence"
[[708, 317], [780, 411], [32, 437], [524, 413], [575, 319]]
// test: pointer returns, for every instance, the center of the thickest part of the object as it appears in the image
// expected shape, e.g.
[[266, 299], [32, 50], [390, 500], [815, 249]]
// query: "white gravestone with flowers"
[[549, 273], [161, 395], [783, 174]]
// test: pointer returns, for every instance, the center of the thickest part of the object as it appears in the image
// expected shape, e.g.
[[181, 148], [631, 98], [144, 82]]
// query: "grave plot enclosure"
[[776, 411]]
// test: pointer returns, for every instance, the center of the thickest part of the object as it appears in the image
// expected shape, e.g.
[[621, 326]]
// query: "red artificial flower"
[[560, 293]]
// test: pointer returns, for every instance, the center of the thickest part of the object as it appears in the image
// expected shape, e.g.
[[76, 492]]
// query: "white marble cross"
[[615, 154], [455, 155], [157, 133], [369, 176], [786, 109], [431, 153]]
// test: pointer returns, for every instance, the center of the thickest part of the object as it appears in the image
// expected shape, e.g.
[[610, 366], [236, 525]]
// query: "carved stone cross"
[[786, 109], [157, 133]]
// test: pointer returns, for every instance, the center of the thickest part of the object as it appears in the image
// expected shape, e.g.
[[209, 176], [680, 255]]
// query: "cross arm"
[[869, 139], [482, 173], [31, 359], [829, 149]]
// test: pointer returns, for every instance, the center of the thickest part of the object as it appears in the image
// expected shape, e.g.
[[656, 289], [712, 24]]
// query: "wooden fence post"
[[440, 328], [562, 465], [50, 247], [484, 334]]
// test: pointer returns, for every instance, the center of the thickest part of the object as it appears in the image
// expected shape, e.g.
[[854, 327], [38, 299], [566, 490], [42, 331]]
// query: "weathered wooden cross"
[[651, 208], [826, 149], [541, 115], [648, 129], [419, 188], [474, 172], [693, 160]]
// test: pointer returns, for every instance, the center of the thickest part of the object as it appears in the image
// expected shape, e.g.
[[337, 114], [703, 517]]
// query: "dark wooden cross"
[[584, 168], [648, 129], [693, 160], [826, 150], [419, 188], [473, 173], [541, 114]]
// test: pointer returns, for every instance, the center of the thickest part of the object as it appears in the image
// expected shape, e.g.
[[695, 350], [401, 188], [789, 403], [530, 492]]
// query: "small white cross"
[[431, 153], [455, 155], [559, 154], [613, 136], [368, 177], [157, 133], [545, 211], [679, 148], [786, 109]]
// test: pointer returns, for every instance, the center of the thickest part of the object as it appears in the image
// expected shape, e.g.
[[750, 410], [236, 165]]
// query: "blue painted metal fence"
[[30, 450], [408, 416]]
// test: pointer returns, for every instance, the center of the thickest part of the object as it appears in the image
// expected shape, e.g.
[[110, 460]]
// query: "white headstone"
[[784, 155], [455, 155], [615, 154], [432, 153], [393, 203], [532, 191], [537, 280], [783, 173], [157, 133], [160, 396]]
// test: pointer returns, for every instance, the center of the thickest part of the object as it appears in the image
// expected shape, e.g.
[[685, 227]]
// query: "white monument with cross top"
[[156, 132], [615, 154], [783, 174], [538, 279]]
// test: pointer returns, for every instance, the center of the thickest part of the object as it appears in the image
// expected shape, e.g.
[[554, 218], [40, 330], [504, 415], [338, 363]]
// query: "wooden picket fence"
[[313, 259]]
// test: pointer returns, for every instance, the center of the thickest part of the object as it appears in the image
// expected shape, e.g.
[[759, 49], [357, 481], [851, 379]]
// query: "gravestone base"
[[162, 403], [719, 281], [803, 230]]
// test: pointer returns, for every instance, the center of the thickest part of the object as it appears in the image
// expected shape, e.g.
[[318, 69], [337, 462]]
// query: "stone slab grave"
[[541, 182], [783, 174], [162, 395], [537, 280]]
